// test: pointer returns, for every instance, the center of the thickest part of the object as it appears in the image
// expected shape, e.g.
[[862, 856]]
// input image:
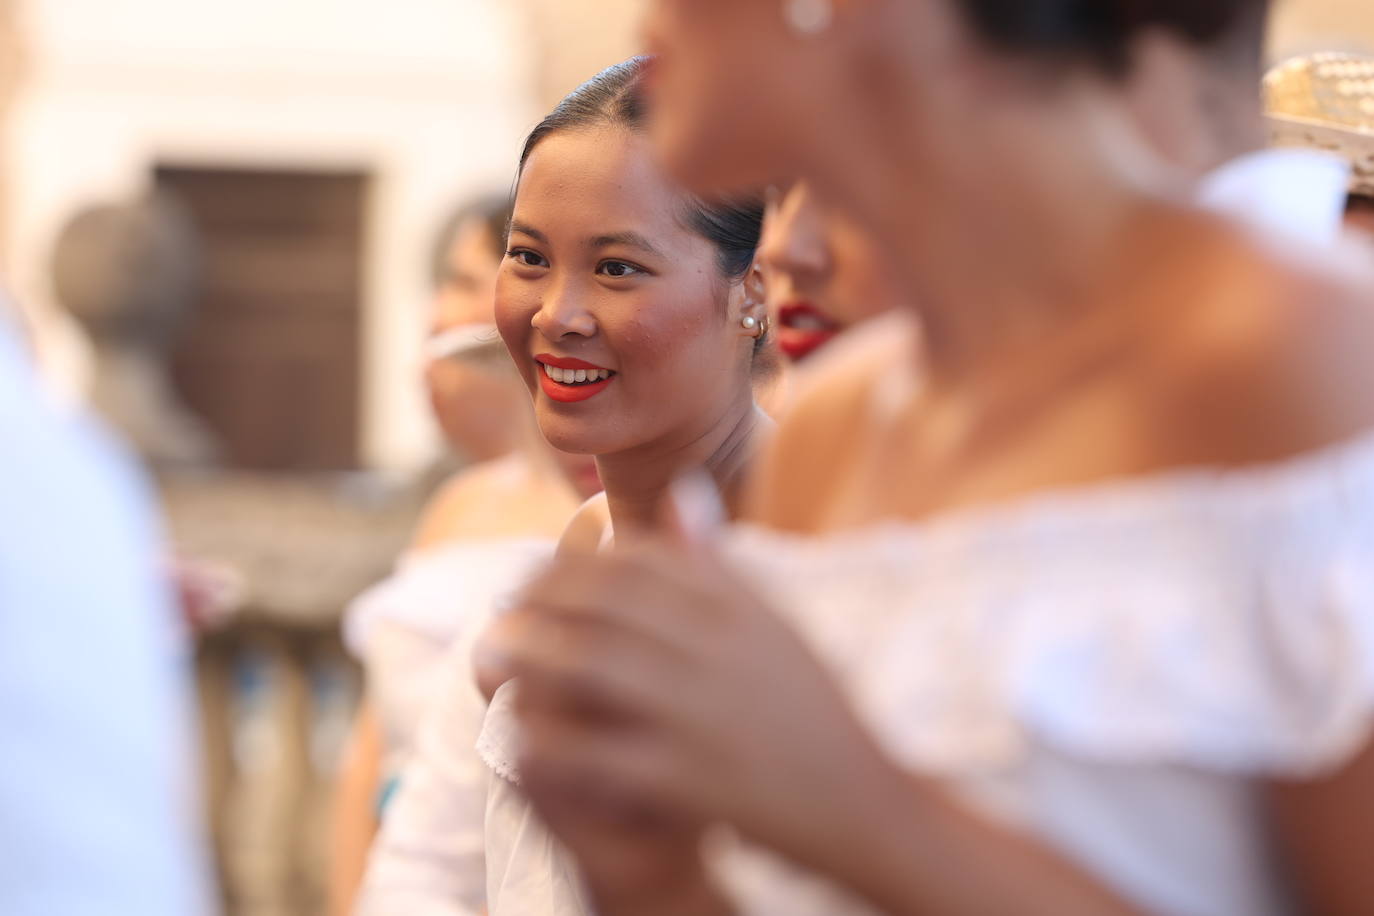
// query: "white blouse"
[[402, 628], [459, 836], [1112, 669]]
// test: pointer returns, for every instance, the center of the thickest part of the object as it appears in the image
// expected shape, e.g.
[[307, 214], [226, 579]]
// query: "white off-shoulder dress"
[[1112, 669], [402, 628]]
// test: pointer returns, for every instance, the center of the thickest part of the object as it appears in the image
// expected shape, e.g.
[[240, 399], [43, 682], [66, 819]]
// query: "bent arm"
[[912, 849], [355, 812]]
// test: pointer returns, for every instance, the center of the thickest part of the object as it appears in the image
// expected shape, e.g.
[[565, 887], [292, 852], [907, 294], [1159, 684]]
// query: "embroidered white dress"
[[1112, 669]]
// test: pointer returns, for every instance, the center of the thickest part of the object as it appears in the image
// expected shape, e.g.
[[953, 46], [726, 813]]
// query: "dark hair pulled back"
[[615, 97], [1102, 32]]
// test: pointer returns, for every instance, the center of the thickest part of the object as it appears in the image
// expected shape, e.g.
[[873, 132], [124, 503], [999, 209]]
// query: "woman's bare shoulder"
[[588, 527], [829, 427], [1282, 364], [468, 503]]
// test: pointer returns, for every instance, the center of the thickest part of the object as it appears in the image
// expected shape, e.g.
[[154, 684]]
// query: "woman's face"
[[477, 408], [742, 99], [615, 312], [467, 282], [823, 272], [710, 134]]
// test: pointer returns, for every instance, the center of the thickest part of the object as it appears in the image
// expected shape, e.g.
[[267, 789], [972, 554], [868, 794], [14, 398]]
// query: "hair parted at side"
[[1101, 32], [615, 98]]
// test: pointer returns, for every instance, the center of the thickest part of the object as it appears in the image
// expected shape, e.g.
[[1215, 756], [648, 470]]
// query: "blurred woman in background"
[[473, 402], [823, 274], [1106, 579], [486, 527], [636, 318]]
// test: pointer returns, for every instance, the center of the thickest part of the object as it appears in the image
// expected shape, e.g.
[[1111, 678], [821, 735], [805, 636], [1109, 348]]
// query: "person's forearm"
[[693, 898], [355, 822], [910, 849]]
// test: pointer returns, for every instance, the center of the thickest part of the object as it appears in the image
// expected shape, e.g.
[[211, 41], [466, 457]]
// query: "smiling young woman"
[[634, 314], [632, 310]]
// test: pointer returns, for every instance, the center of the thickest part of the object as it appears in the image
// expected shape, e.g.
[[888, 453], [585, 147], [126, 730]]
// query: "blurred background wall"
[[408, 107], [379, 118], [1302, 26]]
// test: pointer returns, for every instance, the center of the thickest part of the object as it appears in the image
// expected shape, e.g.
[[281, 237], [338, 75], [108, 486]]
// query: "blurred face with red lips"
[[823, 273], [616, 313]]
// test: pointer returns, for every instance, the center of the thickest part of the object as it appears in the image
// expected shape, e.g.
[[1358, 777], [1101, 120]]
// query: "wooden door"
[[272, 358]]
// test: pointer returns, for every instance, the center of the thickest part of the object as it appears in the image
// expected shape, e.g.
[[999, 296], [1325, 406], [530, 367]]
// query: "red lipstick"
[[803, 329], [556, 378]]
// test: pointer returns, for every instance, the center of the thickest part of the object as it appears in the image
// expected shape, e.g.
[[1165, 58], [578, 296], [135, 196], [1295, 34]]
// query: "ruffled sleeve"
[[1215, 620]]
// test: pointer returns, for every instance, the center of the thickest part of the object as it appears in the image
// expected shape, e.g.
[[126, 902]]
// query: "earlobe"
[[754, 307]]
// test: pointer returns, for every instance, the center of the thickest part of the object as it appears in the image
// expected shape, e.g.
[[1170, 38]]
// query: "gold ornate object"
[[1326, 102]]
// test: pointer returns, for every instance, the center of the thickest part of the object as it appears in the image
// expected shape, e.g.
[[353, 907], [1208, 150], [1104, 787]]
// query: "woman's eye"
[[619, 269], [526, 257]]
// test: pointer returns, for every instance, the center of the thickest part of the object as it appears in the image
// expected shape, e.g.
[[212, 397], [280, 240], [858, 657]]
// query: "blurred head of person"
[[823, 273], [631, 308], [987, 111], [476, 399]]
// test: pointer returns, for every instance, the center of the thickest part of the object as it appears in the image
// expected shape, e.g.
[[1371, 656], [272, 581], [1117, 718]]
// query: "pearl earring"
[[808, 17], [759, 327]]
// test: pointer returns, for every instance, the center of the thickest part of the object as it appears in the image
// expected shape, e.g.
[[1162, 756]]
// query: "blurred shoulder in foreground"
[[833, 425]]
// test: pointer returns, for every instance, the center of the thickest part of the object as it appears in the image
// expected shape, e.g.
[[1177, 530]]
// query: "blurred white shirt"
[[97, 815], [1289, 194]]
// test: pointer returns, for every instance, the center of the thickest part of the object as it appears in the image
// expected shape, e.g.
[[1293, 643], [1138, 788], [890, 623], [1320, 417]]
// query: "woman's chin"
[[573, 441]]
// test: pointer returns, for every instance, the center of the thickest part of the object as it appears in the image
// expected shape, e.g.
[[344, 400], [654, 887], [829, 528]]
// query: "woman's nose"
[[562, 314], [794, 244]]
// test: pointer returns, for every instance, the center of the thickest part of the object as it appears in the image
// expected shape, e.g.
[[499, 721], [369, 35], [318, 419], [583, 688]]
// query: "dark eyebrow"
[[630, 239], [530, 231]]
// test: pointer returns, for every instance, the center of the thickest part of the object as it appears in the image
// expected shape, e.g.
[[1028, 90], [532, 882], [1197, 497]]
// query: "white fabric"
[[429, 858], [402, 628], [96, 811], [1289, 194], [1112, 668], [460, 836]]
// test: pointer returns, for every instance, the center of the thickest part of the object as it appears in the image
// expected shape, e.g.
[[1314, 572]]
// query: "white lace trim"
[[1222, 619], [497, 744]]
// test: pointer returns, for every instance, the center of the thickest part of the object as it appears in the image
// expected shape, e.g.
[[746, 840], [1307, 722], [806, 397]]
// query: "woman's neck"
[[637, 481], [999, 263]]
